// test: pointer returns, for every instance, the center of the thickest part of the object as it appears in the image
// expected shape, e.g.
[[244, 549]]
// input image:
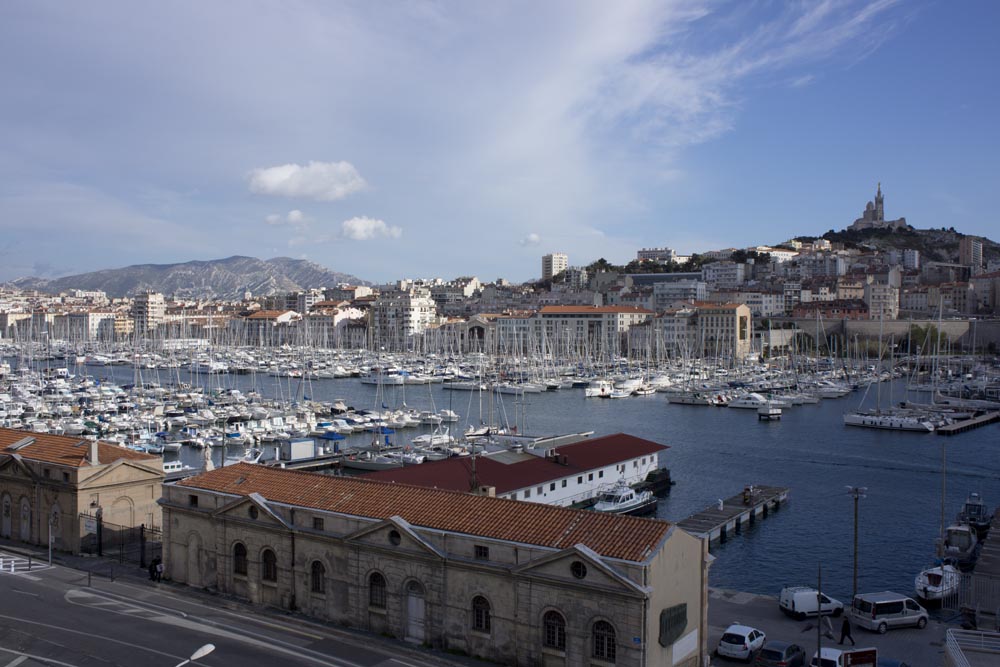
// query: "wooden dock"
[[969, 424], [719, 523]]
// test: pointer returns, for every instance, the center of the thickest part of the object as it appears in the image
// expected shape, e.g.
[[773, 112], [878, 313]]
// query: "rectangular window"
[[482, 552], [192, 500], [600, 473], [527, 493], [552, 486], [564, 484], [317, 523], [590, 477], [66, 477], [579, 480], [541, 489], [45, 472]]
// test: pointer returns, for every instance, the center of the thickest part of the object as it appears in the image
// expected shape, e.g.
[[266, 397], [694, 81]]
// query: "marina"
[[713, 449]]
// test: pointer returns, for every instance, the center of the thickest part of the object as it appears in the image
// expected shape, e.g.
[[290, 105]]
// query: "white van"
[[885, 610], [800, 601]]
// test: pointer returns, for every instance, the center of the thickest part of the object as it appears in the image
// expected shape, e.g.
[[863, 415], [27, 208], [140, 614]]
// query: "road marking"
[[26, 656], [17, 661]]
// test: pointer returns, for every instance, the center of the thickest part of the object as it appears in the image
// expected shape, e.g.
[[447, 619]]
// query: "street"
[[50, 616]]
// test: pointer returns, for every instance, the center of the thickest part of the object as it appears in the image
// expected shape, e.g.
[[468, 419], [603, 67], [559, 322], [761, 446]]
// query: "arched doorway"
[[5, 516], [415, 613], [25, 527]]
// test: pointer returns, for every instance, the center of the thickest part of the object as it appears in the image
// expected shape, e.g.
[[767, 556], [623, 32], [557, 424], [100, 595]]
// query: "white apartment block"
[[656, 255], [91, 325], [553, 264], [724, 274], [665, 294], [725, 330], [599, 329], [148, 311], [399, 315], [882, 300]]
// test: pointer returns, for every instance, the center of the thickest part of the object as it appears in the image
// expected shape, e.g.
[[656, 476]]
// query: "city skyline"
[[452, 139]]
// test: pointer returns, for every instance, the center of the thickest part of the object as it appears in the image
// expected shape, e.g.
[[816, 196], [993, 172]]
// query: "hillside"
[[936, 245], [219, 278]]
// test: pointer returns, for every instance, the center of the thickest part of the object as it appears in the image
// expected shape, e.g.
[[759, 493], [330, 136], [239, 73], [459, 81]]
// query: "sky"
[[441, 139]]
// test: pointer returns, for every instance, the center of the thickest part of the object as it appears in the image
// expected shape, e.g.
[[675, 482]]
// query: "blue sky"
[[425, 139]]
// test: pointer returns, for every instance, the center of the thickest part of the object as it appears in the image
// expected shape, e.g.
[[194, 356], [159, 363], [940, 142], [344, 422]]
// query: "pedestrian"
[[160, 568], [845, 631], [152, 570]]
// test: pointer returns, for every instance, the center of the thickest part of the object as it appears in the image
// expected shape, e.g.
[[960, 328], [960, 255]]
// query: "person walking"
[[152, 570], [845, 631], [160, 568]]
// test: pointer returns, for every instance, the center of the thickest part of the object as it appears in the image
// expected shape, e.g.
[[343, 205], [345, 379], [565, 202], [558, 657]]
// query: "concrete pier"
[[720, 522], [969, 424]]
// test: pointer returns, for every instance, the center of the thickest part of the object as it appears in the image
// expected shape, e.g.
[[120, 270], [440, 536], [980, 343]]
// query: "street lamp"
[[856, 492], [200, 653]]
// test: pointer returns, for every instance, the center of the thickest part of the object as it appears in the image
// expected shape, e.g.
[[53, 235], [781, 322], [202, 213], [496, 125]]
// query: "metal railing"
[[960, 642]]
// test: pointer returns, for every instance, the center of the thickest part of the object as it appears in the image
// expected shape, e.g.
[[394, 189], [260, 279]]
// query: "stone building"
[[518, 583], [52, 478], [873, 217]]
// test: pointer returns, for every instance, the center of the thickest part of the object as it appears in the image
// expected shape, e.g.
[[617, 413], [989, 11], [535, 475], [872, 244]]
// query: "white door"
[[5, 520], [25, 534], [415, 612]]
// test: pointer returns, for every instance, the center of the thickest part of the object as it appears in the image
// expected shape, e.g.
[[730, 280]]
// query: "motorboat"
[[976, 514], [623, 499], [937, 583], [961, 544], [599, 389]]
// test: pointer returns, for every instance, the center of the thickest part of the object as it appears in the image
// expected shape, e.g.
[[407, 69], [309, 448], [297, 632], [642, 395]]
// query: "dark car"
[[891, 662], [781, 654]]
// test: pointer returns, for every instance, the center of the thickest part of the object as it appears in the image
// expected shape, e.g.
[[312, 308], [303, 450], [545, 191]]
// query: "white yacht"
[[599, 389], [937, 583], [888, 420], [623, 499]]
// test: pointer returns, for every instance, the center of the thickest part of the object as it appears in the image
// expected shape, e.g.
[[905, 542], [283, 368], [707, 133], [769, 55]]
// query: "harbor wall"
[[961, 332]]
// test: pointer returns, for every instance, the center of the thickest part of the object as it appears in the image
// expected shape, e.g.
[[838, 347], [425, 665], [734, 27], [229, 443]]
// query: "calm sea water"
[[715, 452]]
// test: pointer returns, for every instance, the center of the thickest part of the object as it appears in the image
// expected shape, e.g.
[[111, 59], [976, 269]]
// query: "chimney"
[[93, 458]]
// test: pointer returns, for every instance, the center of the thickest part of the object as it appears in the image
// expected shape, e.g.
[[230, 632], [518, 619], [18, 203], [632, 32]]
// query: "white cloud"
[[531, 240], [323, 181], [365, 229]]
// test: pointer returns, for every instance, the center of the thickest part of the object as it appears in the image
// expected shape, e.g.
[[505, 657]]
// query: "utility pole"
[[856, 492]]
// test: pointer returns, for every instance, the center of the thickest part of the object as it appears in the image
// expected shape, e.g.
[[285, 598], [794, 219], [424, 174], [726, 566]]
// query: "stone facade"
[[873, 217], [48, 480], [512, 601]]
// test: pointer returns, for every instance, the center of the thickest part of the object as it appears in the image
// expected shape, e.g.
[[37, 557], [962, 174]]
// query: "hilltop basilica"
[[874, 216]]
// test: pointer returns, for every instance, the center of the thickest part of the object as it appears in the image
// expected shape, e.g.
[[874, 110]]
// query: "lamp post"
[[200, 653], [856, 492]]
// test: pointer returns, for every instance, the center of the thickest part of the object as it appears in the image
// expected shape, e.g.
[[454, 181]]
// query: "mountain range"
[[227, 278]]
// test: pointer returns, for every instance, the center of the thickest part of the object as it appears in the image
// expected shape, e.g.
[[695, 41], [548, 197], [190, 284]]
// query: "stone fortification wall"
[[961, 332]]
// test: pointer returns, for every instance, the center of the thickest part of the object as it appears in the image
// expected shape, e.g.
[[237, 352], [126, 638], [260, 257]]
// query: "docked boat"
[[623, 499], [975, 514], [936, 583], [599, 389], [888, 420], [961, 545]]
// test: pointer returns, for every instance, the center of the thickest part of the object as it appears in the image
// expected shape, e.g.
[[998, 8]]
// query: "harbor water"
[[715, 452]]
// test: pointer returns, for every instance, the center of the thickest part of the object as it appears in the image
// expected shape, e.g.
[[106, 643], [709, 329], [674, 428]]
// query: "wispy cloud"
[[531, 239], [323, 181]]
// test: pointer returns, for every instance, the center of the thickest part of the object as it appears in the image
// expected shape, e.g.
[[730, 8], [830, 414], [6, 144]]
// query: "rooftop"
[[613, 536], [63, 450]]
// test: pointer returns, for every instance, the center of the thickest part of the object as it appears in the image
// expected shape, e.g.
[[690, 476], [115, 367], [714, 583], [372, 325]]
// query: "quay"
[[727, 517], [969, 424]]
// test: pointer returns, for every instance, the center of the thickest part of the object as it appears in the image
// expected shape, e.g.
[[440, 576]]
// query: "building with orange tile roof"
[[50, 481], [519, 583]]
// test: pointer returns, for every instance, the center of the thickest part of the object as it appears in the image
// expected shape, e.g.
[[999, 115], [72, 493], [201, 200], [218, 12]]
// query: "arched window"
[[240, 559], [555, 630], [268, 566], [603, 640], [376, 591], [481, 614], [318, 579]]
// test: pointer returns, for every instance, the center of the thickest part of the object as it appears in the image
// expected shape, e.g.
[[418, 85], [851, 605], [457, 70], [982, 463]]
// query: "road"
[[918, 648], [50, 616]]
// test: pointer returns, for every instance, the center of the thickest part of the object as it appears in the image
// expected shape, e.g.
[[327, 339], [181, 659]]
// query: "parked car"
[[800, 601], [776, 653], [885, 610], [741, 642]]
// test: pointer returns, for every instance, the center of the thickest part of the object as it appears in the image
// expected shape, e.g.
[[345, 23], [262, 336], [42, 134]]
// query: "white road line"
[[17, 661], [24, 656]]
